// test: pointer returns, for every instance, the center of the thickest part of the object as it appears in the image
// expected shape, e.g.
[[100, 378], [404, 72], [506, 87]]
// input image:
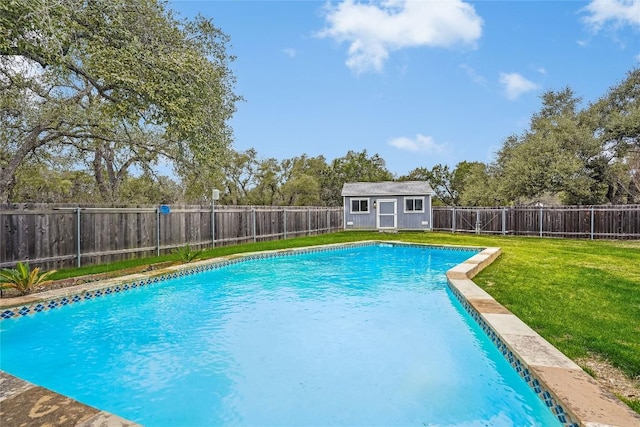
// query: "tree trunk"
[[8, 172], [99, 176]]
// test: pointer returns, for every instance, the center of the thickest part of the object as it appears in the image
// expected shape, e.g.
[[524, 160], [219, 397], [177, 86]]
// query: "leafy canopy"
[[116, 83]]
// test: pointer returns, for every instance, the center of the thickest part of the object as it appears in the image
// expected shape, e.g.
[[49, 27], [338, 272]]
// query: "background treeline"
[[567, 156], [121, 102]]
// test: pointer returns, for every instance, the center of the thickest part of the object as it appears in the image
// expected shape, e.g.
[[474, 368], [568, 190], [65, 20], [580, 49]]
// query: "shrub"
[[23, 279], [186, 254]]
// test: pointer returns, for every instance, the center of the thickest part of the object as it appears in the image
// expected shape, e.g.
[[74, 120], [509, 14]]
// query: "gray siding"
[[404, 221], [359, 221]]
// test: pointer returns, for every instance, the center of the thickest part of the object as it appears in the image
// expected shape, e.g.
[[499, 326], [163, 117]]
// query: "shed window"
[[414, 204], [359, 205]]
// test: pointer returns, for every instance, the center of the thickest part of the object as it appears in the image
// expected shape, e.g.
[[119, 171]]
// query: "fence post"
[[541, 221], [309, 222], [592, 222], [213, 223], [453, 220], [478, 223], [78, 236], [328, 221], [253, 215], [158, 231], [504, 221], [284, 211]]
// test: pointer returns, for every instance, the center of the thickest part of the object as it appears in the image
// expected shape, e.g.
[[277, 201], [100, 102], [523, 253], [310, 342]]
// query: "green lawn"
[[583, 296]]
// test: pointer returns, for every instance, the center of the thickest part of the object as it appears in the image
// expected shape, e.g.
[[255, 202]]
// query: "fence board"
[[596, 222], [47, 235]]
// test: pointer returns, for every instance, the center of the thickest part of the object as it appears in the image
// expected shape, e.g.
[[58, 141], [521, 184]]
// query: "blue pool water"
[[361, 336]]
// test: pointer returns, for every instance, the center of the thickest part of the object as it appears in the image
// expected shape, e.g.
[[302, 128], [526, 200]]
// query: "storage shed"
[[387, 205]]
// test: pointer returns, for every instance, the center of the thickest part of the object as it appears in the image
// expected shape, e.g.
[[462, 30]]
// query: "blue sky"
[[418, 82]]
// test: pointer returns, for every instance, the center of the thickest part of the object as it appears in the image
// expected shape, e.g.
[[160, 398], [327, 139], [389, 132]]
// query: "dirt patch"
[[611, 377]]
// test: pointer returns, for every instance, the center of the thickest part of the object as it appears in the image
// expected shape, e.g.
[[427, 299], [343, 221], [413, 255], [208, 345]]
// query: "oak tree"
[[115, 83]]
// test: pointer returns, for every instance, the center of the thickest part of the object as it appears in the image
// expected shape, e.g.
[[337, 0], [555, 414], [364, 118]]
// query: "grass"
[[583, 296], [205, 254], [633, 404]]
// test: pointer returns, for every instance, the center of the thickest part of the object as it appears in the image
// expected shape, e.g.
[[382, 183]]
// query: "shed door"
[[387, 214]]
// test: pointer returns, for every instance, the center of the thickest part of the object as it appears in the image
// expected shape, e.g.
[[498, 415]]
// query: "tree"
[[118, 83], [301, 180], [448, 184], [616, 124], [353, 167], [634, 172], [464, 175], [556, 155], [418, 174], [39, 183], [479, 186], [268, 176], [618, 116], [579, 156], [150, 189], [440, 177], [239, 175]]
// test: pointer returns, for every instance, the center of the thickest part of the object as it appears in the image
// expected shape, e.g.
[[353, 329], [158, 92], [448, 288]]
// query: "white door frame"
[[395, 213]]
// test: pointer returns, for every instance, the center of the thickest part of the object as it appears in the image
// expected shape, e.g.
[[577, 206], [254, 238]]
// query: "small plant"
[[23, 279], [589, 371], [186, 254]]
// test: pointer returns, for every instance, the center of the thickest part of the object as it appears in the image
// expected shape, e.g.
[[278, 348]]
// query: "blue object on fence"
[[164, 209]]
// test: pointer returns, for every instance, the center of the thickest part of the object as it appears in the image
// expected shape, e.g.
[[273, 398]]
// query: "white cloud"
[[420, 143], [374, 30], [473, 75], [290, 52], [516, 85], [618, 12]]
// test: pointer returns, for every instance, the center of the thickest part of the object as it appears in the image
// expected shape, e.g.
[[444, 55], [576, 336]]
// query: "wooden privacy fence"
[[591, 222], [56, 236]]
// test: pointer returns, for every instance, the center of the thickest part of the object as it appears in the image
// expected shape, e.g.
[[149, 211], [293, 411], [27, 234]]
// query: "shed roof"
[[386, 188]]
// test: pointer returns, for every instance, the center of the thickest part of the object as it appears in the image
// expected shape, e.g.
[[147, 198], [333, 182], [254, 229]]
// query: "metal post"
[[78, 235], [253, 215], [328, 221], [158, 231], [504, 221], [541, 222], [215, 195], [592, 222], [309, 222], [213, 221], [478, 222], [453, 220], [285, 223]]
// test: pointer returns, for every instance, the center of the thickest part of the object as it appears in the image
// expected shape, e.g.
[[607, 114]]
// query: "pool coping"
[[558, 381], [570, 393]]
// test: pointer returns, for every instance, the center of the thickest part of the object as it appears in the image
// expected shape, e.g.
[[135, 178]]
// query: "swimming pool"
[[367, 335]]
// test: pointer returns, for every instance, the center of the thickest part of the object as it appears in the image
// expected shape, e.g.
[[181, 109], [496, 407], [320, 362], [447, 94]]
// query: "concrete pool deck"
[[25, 404], [562, 384]]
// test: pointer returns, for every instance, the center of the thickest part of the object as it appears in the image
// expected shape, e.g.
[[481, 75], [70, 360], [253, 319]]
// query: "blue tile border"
[[37, 307], [521, 368]]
